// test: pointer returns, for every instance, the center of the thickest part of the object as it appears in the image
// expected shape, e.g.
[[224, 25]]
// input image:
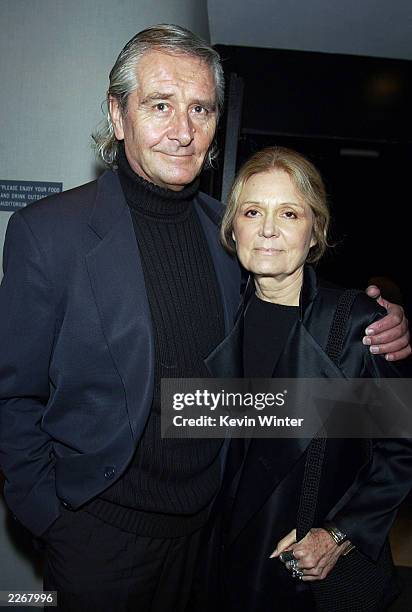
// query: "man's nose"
[[181, 129]]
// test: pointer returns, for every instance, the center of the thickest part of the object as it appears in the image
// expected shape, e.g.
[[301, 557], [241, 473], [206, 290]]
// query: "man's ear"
[[117, 117]]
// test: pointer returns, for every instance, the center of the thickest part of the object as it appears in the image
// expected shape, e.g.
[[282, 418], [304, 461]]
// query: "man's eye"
[[162, 106], [200, 110]]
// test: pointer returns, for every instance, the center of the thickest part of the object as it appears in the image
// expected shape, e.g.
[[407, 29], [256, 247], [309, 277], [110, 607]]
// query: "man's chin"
[[179, 180]]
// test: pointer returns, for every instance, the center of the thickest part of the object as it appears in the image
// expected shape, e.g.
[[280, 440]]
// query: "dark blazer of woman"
[[359, 490]]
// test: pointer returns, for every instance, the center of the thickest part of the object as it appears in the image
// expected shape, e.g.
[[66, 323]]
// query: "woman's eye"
[[252, 213], [289, 214]]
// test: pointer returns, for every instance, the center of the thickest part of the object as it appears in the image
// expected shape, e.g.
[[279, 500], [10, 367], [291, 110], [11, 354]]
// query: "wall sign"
[[17, 194]]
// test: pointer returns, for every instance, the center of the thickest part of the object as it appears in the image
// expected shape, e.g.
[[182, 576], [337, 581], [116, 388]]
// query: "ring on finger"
[[297, 573], [292, 565], [287, 556]]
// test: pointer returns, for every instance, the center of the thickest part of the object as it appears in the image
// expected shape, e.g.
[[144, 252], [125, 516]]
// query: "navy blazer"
[[77, 347]]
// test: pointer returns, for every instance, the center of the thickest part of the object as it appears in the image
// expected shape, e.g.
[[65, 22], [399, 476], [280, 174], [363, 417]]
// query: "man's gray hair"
[[123, 78]]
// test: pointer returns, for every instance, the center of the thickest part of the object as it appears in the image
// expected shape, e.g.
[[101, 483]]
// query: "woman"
[[277, 221]]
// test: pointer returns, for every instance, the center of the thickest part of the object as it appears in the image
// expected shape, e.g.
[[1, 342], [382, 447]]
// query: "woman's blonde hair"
[[305, 178]]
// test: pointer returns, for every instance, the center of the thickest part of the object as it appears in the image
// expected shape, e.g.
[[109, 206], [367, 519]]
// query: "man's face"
[[170, 120]]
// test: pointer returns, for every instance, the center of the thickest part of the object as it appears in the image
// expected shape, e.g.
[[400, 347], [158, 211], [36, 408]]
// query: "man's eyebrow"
[[157, 95], [163, 95]]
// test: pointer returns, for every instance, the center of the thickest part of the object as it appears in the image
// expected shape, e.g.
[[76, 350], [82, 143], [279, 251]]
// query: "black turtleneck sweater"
[[167, 489]]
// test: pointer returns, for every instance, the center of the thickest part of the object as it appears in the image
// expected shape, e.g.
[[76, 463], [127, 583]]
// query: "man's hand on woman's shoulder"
[[388, 336]]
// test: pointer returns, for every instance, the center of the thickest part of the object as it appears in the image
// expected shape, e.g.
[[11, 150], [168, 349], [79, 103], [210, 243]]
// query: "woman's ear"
[[313, 240]]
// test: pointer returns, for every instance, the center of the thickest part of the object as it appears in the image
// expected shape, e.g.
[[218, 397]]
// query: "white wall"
[[55, 59]]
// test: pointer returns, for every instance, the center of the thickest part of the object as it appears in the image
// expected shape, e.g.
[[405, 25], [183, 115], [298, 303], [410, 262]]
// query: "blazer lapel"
[[117, 281], [226, 360], [226, 267]]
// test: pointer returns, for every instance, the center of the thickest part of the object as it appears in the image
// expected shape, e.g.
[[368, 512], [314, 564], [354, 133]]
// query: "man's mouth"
[[177, 155]]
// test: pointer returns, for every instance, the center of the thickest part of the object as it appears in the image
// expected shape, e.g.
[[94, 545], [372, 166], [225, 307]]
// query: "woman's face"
[[273, 226]]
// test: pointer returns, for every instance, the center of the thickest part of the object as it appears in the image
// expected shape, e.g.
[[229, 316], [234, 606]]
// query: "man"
[[108, 288]]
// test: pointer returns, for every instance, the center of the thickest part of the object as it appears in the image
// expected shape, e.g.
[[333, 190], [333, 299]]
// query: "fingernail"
[[374, 349], [272, 555], [389, 357], [369, 331], [367, 341]]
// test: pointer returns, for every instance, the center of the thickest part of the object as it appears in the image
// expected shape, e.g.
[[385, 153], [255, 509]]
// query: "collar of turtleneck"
[[150, 200]]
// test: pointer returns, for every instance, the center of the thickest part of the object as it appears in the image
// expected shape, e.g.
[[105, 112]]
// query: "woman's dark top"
[[266, 330]]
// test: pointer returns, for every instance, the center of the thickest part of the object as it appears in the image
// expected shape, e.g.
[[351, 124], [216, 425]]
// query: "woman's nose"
[[269, 227]]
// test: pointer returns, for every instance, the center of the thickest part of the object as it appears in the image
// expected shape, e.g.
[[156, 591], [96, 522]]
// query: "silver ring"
[[292, 565], [297, 573], [287, 556]]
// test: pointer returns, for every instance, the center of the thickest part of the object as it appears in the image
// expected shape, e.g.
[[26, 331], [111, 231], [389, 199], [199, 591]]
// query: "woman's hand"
[[316, 553], [388, 336]]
